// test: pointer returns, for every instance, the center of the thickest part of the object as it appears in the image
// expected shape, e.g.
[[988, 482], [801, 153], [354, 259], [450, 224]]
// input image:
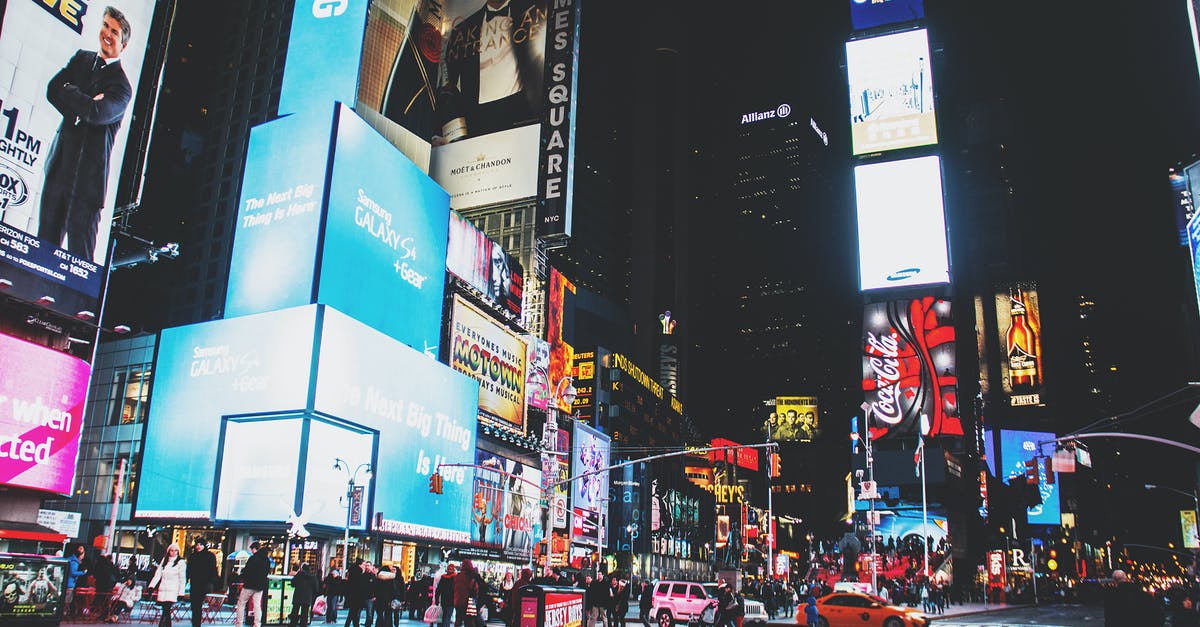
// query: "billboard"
[[537, 376], [590, 453], [1193, 229], [891, 92], [901, 224], [796, 419], [32, 589], [1017, 447], [505, 511], [745, 457], [560, 330], [495, 357], [909, 367], [484, 265], [42, 396], [1019, 323], [872, 13], [1181, 197]]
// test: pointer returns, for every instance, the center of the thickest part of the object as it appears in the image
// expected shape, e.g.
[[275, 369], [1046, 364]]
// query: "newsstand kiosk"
[[551, 606]]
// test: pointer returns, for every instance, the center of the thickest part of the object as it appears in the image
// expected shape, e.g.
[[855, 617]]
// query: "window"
[[679, 589]]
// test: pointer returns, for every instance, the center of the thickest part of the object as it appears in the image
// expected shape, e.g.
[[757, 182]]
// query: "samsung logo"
[[906, 273]]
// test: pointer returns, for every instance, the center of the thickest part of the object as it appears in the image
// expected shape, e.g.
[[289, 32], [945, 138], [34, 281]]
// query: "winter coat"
[[385, 587], [465, 588], [255, 572], [305, 587], [170, 578]]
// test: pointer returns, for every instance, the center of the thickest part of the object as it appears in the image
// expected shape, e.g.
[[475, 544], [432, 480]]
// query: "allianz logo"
[[782, 111]]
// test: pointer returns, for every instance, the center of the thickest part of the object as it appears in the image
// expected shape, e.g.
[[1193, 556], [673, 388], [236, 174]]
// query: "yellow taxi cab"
[[851, 609]]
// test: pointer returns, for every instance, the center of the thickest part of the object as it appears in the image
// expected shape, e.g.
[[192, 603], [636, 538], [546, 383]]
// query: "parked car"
[[842, 609], [678, 602]]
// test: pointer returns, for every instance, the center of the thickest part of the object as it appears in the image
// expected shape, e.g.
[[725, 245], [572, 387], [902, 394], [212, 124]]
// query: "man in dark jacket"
[[1125, 604], [358, 589], [202, 572], [254, 582], [305, 587], [444, 595], [333, 586], [645, 603], [599, 598]]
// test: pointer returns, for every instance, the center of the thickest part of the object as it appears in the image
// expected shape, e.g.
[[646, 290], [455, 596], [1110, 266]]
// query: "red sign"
[[995, 569], [563, 610], [744, 457], [529, 612]]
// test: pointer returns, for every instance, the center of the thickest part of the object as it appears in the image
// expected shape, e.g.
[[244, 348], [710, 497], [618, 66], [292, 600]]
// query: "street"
[[1043, 616]]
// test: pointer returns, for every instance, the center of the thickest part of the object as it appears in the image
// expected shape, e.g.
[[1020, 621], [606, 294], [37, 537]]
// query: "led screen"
[[796, 419], [31, 589], [493, 356], [325, 485], [901, 225], [537, 377], [425, 414], [909, 367], [1017, 447], [1193, 229], [484, 265], [248, 365], [66, 122], [279, 216], [1183, 205], [745, 457], [258, 482], [891, 92], [590, 453], [560, 330], [872, 13], [1019, 323], [505, 508], [324, 50], [384, 255], [42, 395]]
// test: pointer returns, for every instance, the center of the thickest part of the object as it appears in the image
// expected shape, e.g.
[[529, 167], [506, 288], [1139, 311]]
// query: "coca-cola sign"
[[909, 368]]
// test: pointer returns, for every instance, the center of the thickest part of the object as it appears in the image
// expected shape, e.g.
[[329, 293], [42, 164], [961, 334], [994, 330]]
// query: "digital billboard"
[[1183, 203], [42, 396], [1019, 323], [1194, 248], [505, 511], [484, 265], [909, 367], [745, 457], [796, 419], [425, 415], [872, 13], [891, 92], [324, 50], [238, 366], [32, 589], [560, 329], [383, 258], [537, 376], [901, 224], [590, 453], [72, 72], [1017, 447], [493, 356]]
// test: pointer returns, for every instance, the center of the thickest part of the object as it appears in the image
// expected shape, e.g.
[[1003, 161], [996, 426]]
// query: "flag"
[[919, 456]]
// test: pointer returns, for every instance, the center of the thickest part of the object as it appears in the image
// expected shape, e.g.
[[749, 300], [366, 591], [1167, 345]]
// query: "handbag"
[[471, 609], [433, 614], [320, 605], [396, 604], [483, 613]]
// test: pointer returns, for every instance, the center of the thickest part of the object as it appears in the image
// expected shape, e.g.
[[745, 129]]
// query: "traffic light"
[[1031, 472], [435, 483], [775, 465]]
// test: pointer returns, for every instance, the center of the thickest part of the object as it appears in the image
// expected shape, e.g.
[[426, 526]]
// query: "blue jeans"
[[331, 607]]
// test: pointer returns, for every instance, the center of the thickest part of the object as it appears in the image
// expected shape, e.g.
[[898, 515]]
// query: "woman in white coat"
[[170, 576]]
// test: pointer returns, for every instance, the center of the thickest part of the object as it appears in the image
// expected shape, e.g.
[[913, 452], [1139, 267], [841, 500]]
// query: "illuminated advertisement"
[[745, 457], [1193, 230], [872, 13], [901, 225], [537, 377], [584, 373], [505, 511], [891, 92], [1018, 447], [248, 365], [563, 609], [484, 265], [1184, 207], [42, 396], [589, 455], [385, 235], [796, 419], [323, 56], [909, 367], [560, 316], [585, 525], [31, 589], [493, 356], [72, 75], [1019, 322]]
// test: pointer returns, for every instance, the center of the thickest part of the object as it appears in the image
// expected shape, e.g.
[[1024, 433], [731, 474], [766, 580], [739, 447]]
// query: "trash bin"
[[551, 606], [32, 590]]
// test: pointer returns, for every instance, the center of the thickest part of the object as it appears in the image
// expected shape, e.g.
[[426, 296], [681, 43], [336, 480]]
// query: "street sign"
[[870, 490]]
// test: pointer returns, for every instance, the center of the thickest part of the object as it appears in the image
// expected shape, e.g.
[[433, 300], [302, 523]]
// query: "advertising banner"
[[537, 377], [585, 526], [996, 570], [909, 367], [493, 356], [891, 92], [325, 45], [745, 457], [796, 419], [564, 609], [1191, 536], [560, 329], [901, 224], [484, 265], [1018, 447], [505, 509], [42, 396], [1019, 323], [556, 174], [589, 454], [72, 74], [1193, 233], [31, 590], [1184, 206], [871, 13]]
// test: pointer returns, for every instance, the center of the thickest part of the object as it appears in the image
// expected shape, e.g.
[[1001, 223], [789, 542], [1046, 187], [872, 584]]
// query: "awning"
[[17, 530]]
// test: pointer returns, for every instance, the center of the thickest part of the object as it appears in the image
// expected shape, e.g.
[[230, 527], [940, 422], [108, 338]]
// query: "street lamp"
[[1191, 495], [351, 479], [924, 496]]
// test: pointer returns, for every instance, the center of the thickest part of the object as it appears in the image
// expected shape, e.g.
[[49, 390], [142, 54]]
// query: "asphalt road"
[[1042, 616]]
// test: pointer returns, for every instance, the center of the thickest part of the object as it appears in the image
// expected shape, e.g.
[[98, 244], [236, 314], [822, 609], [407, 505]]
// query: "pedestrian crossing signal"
[[435, 483]]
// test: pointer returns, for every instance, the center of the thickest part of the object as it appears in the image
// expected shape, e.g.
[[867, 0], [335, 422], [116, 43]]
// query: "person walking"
[[170, 577], [466, 589], [254, 582], [645, 603], [444, 594], [304, 593], [357, 591], [332, 587], [385, 593], [812, 616], [202, 572]]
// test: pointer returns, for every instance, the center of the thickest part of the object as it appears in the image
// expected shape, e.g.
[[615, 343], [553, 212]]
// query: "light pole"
[[351, 478], [1191, 495], [872, 495], [770, 506], [924, 496]]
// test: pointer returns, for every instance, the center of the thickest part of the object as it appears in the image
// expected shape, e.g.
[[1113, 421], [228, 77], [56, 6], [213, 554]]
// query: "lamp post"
[[351, 479], [770, 504], [924, 496], [1191, 495]]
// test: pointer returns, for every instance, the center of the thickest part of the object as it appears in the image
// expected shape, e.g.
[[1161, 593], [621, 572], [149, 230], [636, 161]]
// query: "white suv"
[[678, 601]]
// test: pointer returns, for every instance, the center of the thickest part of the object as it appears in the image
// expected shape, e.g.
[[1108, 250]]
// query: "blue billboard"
[[1018, 447], [589, 454], [324, 48], [425, 413], [872, 13], [1193, 238], [279, 216], [384, 254], [250, 365]]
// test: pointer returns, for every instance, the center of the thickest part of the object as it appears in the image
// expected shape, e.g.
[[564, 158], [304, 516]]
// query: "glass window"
[[679, 589], [697, 592]]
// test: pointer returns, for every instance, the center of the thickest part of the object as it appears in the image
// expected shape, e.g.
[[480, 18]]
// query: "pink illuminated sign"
[[42, 395]]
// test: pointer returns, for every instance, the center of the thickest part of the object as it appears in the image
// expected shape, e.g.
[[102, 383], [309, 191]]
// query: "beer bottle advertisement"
[[1019, 324]]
